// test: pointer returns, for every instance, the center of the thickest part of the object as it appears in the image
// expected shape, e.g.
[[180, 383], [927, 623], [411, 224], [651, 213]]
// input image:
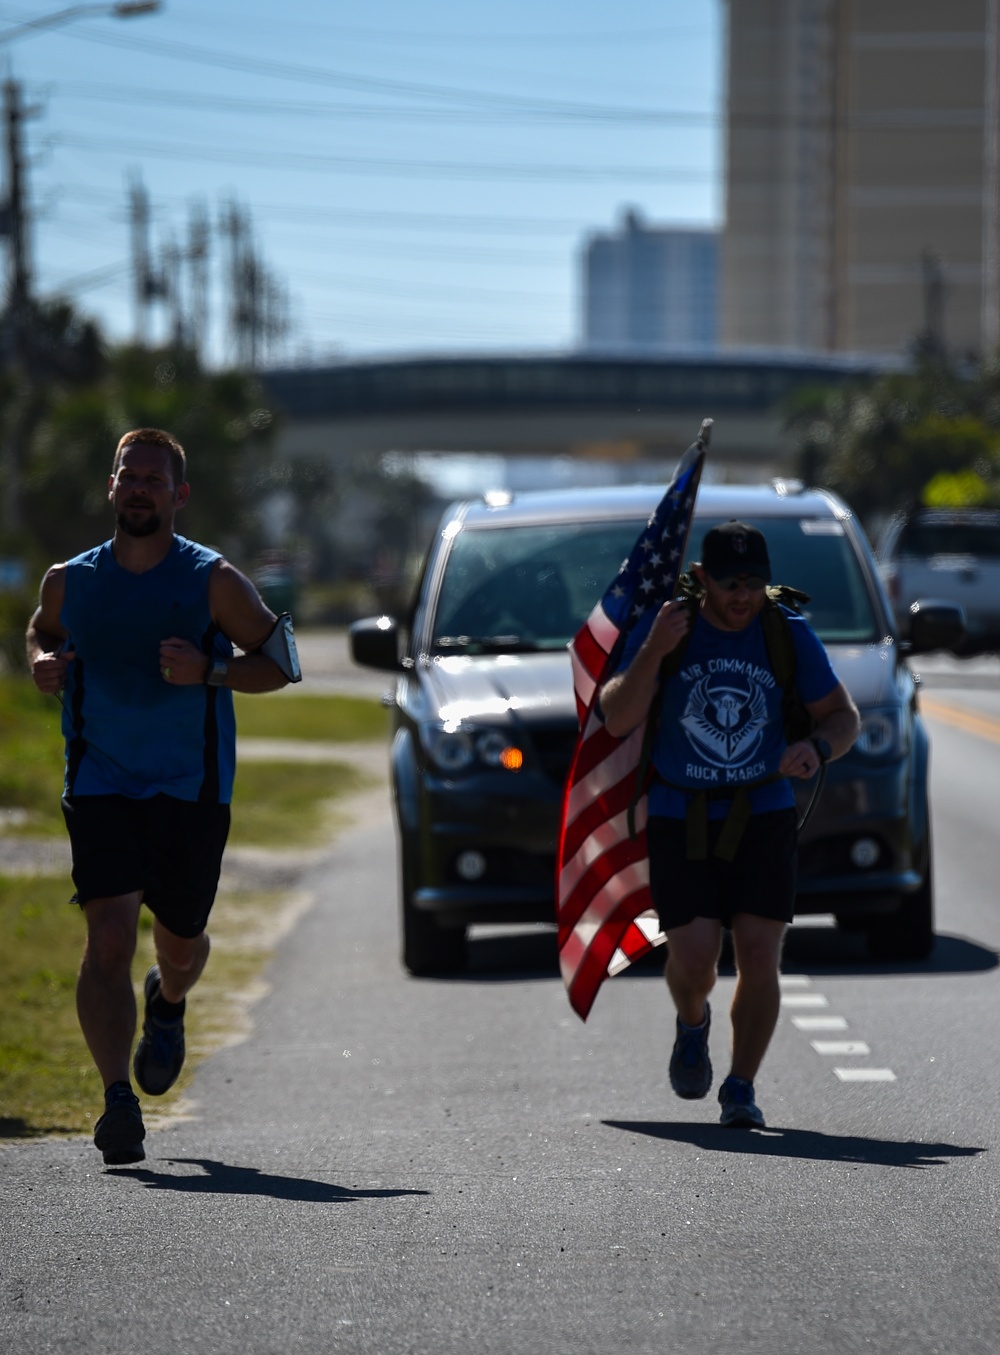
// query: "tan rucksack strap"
[[734, 826]]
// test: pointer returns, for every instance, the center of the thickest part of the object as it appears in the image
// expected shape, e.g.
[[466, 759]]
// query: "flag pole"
[[602, 868]]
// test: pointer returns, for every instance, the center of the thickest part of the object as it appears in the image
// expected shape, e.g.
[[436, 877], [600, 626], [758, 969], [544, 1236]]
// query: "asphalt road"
[[390, 1165]]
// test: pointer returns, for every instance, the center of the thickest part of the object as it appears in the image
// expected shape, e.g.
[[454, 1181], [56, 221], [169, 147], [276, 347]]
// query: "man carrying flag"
[[720, 737]]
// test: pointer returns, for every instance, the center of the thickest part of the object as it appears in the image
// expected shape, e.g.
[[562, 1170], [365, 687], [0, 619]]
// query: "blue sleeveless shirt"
[[128, 732]]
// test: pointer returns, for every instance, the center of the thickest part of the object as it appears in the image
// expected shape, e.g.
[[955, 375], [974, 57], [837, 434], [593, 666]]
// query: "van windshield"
[[528, 587], [817, 556], [531, 587]]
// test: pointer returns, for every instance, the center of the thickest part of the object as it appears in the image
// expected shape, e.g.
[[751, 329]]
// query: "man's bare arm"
[[243, 618], [47, 659], [627, 697], [837, 721]]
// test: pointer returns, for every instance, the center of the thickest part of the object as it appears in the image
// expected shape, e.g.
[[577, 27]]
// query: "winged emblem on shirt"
[[725, 723]]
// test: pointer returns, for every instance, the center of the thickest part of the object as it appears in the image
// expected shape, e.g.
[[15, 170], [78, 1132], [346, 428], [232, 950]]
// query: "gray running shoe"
[[159, 1055], [120, 1131], [690, 1066], [739, 1109]]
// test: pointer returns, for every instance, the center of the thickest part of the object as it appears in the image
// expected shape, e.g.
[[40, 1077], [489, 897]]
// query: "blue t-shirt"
[[128, 732], [721, 721]]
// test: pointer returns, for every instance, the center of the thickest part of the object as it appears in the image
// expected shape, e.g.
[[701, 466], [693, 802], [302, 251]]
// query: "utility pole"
[[932, 340], [18, 283], [17, 302], [199, 234], [173, 290], [148, 285], [991, 187], [258, 312]]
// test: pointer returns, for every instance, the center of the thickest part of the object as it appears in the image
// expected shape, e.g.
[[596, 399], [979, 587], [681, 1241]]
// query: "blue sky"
[[419, 178]]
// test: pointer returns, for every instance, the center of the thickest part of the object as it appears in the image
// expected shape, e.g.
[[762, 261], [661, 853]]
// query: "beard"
[[144, 526]]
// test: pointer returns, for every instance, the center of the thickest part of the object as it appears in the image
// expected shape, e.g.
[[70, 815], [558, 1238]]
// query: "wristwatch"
[[823, 750], [218, 670]]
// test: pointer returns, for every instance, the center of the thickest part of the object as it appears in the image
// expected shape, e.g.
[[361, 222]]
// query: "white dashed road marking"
[[865, 1074], [819, 1022], [797, 998]]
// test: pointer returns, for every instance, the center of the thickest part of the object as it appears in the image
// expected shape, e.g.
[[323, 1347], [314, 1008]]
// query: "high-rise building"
[[649, 289], [861, 175]]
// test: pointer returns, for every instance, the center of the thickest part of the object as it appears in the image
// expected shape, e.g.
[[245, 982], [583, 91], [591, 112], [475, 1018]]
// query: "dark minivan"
[[484, 718]]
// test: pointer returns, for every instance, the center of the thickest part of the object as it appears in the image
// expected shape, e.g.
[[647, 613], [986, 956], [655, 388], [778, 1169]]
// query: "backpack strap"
[[781, 659], [734, 825], [798, 723], [670, 665]]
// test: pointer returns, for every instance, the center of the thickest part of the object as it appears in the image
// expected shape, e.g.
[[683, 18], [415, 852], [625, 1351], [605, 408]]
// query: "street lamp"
[[127, 9]]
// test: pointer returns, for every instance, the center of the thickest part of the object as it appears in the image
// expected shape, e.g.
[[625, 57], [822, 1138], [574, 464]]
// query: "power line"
[[282, 70], [394, 290], [461, 223], [564, 39], [652, 117], [368, 165], [96, 277]]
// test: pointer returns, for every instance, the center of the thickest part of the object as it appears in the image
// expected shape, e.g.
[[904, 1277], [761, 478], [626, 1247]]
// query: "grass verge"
[[31, 757], [320, 719], [31, 751], [291, 804], [47, 1081], [48, 1084]]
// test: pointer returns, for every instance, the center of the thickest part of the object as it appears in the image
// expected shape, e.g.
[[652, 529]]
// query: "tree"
[[881, 443], [218, 418]]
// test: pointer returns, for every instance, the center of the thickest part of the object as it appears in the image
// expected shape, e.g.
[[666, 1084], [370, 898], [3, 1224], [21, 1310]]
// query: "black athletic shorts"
[[761, 879], [167, 850]]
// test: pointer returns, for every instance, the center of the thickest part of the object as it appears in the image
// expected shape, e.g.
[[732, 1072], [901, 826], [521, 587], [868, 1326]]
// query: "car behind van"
[[952, 554]]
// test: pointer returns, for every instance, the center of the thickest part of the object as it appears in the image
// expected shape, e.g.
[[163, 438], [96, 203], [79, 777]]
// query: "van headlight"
[[455, 748], [881, 732]]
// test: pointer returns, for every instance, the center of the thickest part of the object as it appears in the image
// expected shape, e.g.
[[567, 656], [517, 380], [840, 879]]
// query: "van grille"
[[555, 750]]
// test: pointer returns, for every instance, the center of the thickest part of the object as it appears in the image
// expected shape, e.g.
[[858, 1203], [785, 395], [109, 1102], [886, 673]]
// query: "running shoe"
[[159, 1055], [739, 1109], [690, 1066], [120, 1131]]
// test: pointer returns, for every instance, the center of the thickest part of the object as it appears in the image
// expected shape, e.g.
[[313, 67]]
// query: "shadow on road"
[[218, 1178], [514, 955], [820, 949], [801, 1143], [827, 950], [15, 1127]]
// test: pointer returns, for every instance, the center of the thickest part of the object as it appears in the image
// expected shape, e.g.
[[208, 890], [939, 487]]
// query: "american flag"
[[603, 872]]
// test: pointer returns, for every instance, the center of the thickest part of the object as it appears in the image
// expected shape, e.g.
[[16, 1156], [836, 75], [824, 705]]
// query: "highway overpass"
[[604, 408]]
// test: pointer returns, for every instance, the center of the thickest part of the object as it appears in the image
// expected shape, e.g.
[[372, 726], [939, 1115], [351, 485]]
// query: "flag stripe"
[[602, 872], [602, 839], [619, 762], [590, 652], [603, 908], [613, 805], [603, 630]]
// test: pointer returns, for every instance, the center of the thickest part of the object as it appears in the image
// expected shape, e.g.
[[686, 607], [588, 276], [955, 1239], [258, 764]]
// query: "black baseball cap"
[[735, 548]]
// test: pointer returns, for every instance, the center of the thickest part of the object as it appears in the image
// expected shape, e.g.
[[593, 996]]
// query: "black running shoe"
[[690, 1066], [739, 1109], [120, 1131], [159, 1055]]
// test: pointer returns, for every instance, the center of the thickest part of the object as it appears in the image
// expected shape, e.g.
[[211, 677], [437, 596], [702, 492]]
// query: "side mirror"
[[935, 624], [375, 643]]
